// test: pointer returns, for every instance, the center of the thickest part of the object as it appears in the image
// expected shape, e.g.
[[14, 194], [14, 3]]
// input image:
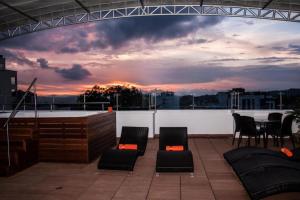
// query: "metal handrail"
[[13, 114]]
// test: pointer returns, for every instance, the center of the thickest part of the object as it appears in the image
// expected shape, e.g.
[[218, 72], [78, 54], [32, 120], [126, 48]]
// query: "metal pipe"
[[193, 102], [35, 104], [238, 100], [280, 105], [155, 100], [84, 107], [117, 101], [8, 147], [14, 112]]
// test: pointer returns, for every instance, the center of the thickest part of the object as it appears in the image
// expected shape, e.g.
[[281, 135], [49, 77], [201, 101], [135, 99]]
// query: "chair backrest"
[[135, 135], [236, 118], [248, 126], [275, 116], [173, 136], [276, 124], [286, 127]]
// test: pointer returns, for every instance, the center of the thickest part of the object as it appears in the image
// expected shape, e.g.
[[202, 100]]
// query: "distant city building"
[[167, 100], [8, 84]]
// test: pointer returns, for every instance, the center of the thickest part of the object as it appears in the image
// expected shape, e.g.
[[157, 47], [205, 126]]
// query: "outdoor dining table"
[[262, 123]]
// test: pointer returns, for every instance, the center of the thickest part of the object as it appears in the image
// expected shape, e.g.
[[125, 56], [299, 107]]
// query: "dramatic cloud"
[[16, 57], [152, 29], [187, 52], [295, 48], [258, 74], [43, 63], [112, 33], [77, 72], [291, 48]]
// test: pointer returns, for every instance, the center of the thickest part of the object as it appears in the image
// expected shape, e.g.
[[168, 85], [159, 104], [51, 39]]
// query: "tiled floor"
[[213, 179]]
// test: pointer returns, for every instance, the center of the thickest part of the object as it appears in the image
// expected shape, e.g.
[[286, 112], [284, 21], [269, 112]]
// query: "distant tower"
[[8, 85]]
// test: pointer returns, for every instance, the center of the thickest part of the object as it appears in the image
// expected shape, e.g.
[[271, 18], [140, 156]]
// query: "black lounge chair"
[[265, 172], [237, 154], [174, 161], [119, 159], [270, 180], [254, 162]]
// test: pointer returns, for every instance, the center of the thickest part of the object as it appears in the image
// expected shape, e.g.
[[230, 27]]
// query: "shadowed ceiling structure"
[[18, 17]]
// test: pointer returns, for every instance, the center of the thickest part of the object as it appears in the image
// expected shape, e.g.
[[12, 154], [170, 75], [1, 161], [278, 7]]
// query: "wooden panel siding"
[[71, 139]]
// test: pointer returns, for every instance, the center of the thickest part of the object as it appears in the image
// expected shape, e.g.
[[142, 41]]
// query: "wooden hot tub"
[[69, 136]]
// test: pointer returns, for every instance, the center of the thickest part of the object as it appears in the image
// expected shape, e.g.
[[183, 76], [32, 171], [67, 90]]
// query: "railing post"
[[117, 100], [84, 102], [155, 100], [149, 101], [35, 104], [52, 104], [193, 102]]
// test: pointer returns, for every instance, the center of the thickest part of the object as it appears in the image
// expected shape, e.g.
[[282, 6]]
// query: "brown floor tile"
[[213, 179]]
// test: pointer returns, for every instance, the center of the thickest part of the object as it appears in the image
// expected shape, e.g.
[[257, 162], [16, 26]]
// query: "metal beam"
[[267, 4], [101, 14], [18, 11], [82, 6], [201, 2]]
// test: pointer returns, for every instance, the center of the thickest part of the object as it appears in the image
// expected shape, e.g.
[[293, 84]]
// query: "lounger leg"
[[265, 141], [249, 142], [293, 142], [192, 175], [157, 174], [281, 141]]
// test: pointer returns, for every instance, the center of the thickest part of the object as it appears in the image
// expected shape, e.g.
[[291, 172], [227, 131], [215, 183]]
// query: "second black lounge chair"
[[267, 181], [255, 162], [174, 161], [120, 159], [265, 172], [237, 154]]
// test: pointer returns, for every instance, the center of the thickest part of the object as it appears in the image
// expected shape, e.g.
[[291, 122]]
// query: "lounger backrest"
[[286, 127], [275, 116], [173, 136], [248, 126], [135, 135], [236, 118]]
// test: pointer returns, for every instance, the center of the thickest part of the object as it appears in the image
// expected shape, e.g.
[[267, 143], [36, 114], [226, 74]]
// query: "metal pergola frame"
[[159, 10]]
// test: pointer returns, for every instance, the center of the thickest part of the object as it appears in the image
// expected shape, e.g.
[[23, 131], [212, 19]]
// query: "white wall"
[[135, 118], [197, 121]]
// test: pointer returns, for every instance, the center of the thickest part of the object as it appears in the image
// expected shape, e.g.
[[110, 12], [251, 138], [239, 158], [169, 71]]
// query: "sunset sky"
[[185, 54]]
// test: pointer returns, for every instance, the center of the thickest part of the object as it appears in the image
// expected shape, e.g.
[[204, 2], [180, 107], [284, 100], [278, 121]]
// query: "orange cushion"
[[174, 148], [128, 146], [287, 152]]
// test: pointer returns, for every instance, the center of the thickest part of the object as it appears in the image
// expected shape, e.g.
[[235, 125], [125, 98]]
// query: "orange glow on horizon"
[[77, 89]]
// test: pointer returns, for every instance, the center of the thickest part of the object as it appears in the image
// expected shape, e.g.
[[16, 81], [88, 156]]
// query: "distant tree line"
[[128, 96]]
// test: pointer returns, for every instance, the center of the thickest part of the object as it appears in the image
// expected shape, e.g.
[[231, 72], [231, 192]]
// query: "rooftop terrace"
[[213, 179]]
